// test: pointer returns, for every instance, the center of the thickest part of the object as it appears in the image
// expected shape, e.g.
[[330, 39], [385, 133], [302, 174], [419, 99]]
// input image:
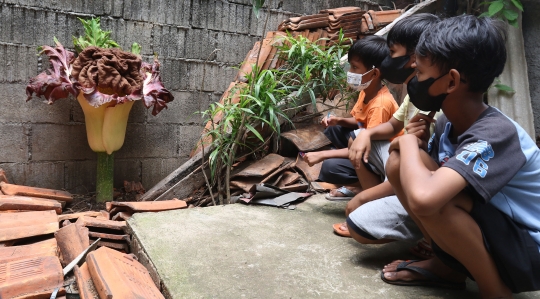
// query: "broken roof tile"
[[308, 139], [27, 224], [30, 276], [104, 236], [262, 167], [72, 240], [77, 215], [113, 244], [24, 203], [288, 178], [10, 189], [44, 248], [93, 222], [87, 290], [122, 216], [147, 206], [118, 275], [310, 173]]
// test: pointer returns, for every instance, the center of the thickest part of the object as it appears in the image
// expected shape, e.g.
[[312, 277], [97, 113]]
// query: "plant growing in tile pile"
[[260, 105], [314, 68], [106, 82], [259, 109]]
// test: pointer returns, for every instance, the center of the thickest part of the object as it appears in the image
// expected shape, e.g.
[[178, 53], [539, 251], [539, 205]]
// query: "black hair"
[[407, 31], [474, 46], [370, 50]]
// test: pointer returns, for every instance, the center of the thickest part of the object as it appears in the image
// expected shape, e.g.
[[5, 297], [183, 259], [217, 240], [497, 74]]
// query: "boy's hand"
[[394, 145], [419, 126], [330, 121], [359, 149]]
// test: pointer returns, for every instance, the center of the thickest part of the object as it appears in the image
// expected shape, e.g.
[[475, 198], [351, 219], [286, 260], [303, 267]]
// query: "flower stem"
[[104, 181]]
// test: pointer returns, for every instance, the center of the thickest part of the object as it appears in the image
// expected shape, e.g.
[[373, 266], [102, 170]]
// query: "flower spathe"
[[106, 83]]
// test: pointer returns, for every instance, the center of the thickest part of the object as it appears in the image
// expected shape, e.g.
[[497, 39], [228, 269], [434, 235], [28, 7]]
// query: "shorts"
[[383, 218], [512, 248]]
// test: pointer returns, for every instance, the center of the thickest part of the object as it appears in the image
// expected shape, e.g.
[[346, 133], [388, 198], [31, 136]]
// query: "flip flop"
[[348, 195], [431, 280], [422, 250], [339, 231]]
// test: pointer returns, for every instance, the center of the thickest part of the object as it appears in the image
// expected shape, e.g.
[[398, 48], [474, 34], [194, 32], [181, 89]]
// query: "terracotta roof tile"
[[24, 203], [10, 189], [117, 275], [44, 248], [87, 290], [30, 277], [27, 224], [72, 241]]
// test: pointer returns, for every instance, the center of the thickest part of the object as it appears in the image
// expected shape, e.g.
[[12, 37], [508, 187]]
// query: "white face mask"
[[355, 80]]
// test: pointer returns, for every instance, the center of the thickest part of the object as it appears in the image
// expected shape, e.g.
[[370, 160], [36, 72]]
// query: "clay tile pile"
[[33, 247], [353, 21]]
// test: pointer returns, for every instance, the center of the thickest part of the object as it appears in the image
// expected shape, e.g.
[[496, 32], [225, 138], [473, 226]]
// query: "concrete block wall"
[[531, 36], [45, 145]]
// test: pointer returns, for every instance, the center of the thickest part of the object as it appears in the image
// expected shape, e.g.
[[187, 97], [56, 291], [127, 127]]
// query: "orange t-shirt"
[[377, 111]]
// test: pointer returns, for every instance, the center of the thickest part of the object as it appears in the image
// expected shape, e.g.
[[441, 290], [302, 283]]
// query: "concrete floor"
[[240, 251]]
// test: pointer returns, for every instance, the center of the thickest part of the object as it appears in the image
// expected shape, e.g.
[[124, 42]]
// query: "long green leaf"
[[254, 132]]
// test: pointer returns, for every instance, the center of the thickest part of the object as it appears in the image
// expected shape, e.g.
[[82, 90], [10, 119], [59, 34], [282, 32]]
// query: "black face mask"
[[393, 71], [419, 94]]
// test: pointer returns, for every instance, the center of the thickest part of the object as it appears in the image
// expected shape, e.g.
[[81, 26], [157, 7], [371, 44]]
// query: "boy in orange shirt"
[[375, 105]]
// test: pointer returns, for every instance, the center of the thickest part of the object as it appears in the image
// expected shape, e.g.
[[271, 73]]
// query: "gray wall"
[[46, 146], [531, 35]]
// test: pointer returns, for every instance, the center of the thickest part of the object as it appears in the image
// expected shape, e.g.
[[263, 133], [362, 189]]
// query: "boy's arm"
[[381, 190], [425, 191], [361, 146], [347, 122]]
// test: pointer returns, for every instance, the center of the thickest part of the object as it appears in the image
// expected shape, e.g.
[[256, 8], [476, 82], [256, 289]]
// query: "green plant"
[[504, 10], [314, 67], [93, 36], [247, 111]]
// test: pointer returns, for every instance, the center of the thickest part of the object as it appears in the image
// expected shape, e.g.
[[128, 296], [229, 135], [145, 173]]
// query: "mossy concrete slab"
[[240, 251]]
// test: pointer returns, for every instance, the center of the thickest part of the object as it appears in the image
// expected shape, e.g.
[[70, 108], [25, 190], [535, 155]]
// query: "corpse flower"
[[106, 83]]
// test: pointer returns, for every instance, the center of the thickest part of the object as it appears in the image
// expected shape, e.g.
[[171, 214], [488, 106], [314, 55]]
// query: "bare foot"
[[313, 158], [433, 265]]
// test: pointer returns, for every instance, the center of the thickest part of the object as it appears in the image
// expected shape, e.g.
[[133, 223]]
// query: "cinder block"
[[15, 109], [80, 176], [169, 41], [199, 44], [14, 142], [6, 17], [150, 141], [154, 170], [188, 138], [140, 33], [183, 109], [36, 174], [137, 10], [126, 170], [216, 77], [199, 13], [233, 47], [52, 142], [117, 7], [242, 17], [178, 13]]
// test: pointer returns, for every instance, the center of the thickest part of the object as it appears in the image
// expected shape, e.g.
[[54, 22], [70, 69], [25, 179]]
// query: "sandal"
[[338, 229], [422, 250], [431, 280], [343, 190]]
